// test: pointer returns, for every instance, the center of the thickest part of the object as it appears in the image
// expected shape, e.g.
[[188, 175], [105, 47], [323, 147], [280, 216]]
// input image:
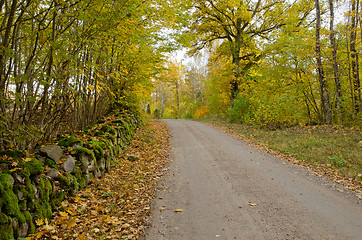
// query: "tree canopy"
[[64, 64]]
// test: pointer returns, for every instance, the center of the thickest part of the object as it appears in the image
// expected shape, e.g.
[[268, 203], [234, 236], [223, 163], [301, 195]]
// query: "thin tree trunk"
[[354, 60], [335, 64], [322, 81], [3, 55]]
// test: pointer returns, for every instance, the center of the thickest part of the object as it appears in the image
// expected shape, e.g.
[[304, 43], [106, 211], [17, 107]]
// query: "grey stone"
[[90, 176], [97, 173], [76, 145], [37, 179], [21, 196], [53, 173], [23, 230], [84, 159], [91, 165], [15, 224], [11, 180], [52, 151], [133, 158], [36, 191], [69, 164], [19, 178], [101, 164]]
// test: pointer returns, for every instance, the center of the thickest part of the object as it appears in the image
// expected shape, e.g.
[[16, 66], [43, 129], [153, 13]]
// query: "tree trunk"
[[335, 64], [322, 81], [4, 45], [354, 61]]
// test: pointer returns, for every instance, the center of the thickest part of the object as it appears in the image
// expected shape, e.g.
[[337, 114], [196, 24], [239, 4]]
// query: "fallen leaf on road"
[[252, 204], [178, 210]]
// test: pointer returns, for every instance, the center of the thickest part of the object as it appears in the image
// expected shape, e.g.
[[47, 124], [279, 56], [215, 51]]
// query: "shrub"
[[201, 112], [240, 112]]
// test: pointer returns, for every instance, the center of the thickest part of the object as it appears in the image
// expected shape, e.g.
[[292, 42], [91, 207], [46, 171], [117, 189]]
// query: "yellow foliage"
[[201, 112]]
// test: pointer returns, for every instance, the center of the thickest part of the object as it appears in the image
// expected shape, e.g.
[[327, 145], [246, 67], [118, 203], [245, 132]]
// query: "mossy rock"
[[57, 200], [35, 167], [6, 228], [69, 141], [41, 210], [98, 147], [13, 153], [64, 181], [30, 189], [83, 150], [50, 163], [9, 200], [29, 220], [45, 189]]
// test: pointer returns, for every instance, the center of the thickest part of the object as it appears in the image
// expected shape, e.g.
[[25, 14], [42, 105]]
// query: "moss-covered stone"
[[30, 189], [35, 167], [84, 150], [98, 147], [59, 197], [9, 199], [50, 163], [6, 228], [27, 202], [69, 141], [29, 220], [44, 191], [64, 181], [22, 205]]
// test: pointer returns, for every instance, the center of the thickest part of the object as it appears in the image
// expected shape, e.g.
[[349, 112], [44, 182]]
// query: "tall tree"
[[238, 24], [335, 63], [354, 57], [322, 81]]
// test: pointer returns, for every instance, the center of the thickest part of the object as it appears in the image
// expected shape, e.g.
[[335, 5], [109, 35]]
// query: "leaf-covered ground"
[[116, 206]]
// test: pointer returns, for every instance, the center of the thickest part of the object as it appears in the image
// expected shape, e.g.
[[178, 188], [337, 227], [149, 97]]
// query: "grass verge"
[[331, 151]]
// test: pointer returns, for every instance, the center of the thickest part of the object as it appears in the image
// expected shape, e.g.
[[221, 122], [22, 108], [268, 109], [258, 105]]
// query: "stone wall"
[[32, 185]]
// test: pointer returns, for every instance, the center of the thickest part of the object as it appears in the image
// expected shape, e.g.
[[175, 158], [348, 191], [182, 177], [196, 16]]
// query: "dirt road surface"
[[218, 187]]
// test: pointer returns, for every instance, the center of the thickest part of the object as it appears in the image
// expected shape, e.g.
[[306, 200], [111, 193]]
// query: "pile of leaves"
[[116, 206]]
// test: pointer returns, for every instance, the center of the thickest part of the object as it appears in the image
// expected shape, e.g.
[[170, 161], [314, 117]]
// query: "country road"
[[226, 189]]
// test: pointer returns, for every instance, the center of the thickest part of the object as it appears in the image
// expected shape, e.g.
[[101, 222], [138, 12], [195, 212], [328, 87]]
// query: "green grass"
[[332, 148]]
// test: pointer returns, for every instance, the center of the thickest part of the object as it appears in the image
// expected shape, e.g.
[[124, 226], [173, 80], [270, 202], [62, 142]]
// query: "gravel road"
[[222, 188]]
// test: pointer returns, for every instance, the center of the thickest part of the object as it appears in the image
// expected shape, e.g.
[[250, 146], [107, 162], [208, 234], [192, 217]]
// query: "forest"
[[66, 63], [269, 63]]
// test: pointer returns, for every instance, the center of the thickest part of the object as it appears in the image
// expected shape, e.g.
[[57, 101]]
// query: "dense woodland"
[[270, 63], [66, 63]]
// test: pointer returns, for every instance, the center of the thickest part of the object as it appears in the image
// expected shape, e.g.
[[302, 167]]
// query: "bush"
[[240, 112], [201, 112]]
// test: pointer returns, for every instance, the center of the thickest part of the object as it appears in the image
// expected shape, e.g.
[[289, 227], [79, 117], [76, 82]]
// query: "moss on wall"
[[28, 193]]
